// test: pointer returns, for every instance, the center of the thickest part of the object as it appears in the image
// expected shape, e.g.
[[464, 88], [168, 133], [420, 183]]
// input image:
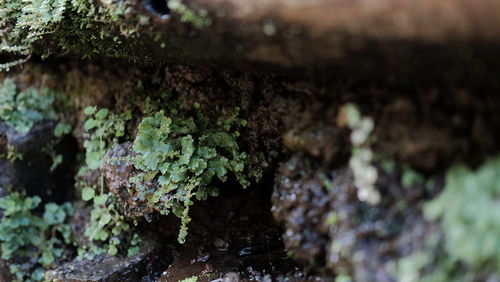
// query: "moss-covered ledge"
[[278, 36]]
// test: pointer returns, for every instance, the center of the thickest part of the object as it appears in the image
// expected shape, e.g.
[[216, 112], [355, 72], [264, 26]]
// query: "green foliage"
[[181, 156], [62, 129], [431, 264], [26, 22], [102, 129], [468, 208], [22, 110], [198, 19], [343, 278], [13, 154], [190, 279], [32, 243], [470, 245], [410, 177], [23, 23], [107, 229]]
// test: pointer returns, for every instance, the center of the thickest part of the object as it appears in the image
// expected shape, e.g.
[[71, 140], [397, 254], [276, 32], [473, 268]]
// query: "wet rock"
[[138, 267], [328, 228], [118, 169]]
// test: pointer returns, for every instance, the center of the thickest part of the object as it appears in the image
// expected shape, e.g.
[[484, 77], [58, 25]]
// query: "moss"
[[28, 22]]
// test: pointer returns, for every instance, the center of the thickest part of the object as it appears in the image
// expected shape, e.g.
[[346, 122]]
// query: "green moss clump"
[[24, 23], [22, 110], [33, 244], [182, 156]]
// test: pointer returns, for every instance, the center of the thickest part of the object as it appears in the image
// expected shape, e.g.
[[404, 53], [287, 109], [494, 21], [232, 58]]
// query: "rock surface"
[[328, 228]]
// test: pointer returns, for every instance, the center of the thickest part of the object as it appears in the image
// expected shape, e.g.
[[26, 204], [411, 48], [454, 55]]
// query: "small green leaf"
[[151, 161], [101, 199], [148, 176], [56, 161], [112, 250], [62, 129], [87, 193], [89, 124], [102, 114], [47, 258], [105, 219], [93, 160], [90, 110], [102, 235]]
